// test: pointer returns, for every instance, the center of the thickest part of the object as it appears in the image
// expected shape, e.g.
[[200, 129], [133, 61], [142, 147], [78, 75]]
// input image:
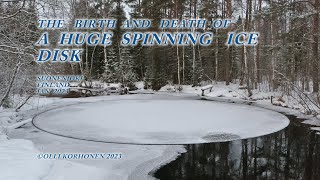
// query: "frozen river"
[[292, 153], [146, 129], [160, 121]]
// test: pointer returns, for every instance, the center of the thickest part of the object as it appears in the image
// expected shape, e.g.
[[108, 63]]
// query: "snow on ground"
[[39, 104], [179, 121], [18, 159], [138, 160], [16, 156], [34, 102], [261, 97], [232, 91], [136, 163]]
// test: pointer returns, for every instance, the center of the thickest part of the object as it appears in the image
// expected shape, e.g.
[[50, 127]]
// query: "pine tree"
[[119, 66]]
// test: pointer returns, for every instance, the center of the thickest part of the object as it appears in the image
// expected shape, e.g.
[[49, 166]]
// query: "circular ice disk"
[[160, 121]]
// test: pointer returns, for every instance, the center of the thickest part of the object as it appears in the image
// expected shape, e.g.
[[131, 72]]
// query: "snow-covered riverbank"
[[137, 161], [261, 98]]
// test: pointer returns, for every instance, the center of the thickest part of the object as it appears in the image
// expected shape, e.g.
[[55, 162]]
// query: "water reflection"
[[293, 153]]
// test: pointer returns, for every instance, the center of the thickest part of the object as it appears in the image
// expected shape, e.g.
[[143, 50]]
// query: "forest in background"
[[286, 58]]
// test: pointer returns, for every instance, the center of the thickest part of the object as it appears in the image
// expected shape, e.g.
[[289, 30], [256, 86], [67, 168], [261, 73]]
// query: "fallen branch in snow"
[[309, 104], [19, 124], [25, 101]]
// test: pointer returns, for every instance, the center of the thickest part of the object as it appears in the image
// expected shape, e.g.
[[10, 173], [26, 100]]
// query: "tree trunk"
[[183, 65], [178, 59], [228, 57], [245, 55], [6, 94], [216, 57], [315, 64], [273, 83]]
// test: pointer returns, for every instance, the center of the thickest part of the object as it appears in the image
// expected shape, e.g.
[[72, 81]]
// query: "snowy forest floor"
[[19, 146]]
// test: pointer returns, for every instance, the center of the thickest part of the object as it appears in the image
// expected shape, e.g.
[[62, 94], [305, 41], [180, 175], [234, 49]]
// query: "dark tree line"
[[286, 57], [287, 49]]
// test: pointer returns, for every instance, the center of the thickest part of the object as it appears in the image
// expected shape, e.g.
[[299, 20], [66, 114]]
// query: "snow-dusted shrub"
[[7, 103], [3, 133], [131, 86]]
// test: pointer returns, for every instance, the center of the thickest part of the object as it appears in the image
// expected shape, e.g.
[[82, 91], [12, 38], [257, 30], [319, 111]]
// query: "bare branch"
[[17, 12]]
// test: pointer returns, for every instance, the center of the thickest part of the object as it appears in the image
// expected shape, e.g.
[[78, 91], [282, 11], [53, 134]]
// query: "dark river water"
[[292, 153]]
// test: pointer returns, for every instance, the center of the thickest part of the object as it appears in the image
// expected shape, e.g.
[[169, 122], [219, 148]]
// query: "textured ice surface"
[[154, 121]]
